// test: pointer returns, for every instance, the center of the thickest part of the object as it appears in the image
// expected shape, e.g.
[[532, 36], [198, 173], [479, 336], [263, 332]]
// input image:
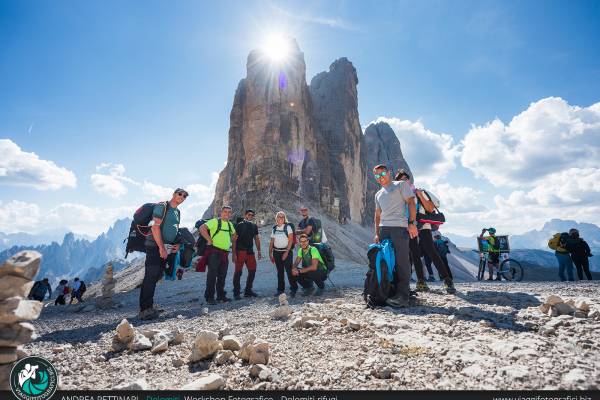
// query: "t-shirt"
[[280, 236], [246, 232], [307, 256], [493, 244], [221, 240], [305, 222], [170, 225], [391, 200]]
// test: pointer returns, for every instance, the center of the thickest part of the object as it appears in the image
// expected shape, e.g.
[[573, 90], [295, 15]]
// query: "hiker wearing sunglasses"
[[312, 272], [393, 222], [160, 244], [247, 236]]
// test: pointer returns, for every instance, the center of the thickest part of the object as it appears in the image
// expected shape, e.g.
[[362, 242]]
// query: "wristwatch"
[[413, 222]]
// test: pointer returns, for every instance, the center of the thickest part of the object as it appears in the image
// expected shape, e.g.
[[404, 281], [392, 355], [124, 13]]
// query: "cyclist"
[[493, 252]]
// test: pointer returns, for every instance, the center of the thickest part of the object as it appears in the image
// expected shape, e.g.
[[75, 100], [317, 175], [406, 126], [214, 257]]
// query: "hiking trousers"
[[415, 258], [564, 264], [216, 272], [284, 267], [426, 243], [427, 262], [400, 239], [243, 257], [317, 277], [583, 266], [154, 267]]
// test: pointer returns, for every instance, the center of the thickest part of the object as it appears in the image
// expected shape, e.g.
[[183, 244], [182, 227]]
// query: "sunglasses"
[[185, 195], [380, 175]]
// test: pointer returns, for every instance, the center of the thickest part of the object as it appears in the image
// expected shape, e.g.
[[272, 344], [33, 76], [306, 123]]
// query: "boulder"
[[582, 304], [224, 356], [139, 343], [230, 342], [209, 382], [553, 299], [16, 309], [125, 331], [205, 346], [13, 335], [282, 312], [564, 309], [246, 348], [14, 286], [8, 355], [160, 347], [259, 353], [256, 369], [25, 264]]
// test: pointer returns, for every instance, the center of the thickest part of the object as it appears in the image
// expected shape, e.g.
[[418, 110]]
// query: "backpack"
[[201, 244], [38, 290], [317, 232], [139, 229], [379, 281], [556, 242], [327, 256], [82, 288], [294, 238], [432, 214]]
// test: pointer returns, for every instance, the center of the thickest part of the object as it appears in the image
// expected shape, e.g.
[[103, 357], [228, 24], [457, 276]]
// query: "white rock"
[[160, 347], [256, 369], [564, 309], [205, 346], [282, 312], [553, 299], [209, 382], [139, 384], [582, 304], [139, 343], [574, 376], [283, 301], [16, 309], [473, 371], [354, 325], [25, 264], [231, 342], [125, 331]]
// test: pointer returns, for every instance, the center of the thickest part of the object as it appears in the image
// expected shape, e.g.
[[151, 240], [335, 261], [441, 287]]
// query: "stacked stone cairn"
[[108, 290], [17, 276]]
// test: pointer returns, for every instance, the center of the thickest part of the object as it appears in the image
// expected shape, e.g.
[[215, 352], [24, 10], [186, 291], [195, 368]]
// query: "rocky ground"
[[487, 336]]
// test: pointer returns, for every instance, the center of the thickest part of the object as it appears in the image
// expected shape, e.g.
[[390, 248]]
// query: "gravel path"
[[487, 336]]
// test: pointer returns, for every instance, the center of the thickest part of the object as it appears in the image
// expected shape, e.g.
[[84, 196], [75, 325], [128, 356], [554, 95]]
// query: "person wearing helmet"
[[493, 251]]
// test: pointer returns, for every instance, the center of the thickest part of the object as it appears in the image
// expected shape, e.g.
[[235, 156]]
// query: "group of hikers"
[[74, 289], [571, 249], [307, 267]]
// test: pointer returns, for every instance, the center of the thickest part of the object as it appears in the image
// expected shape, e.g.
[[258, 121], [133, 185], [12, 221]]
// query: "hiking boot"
[[498, 278], [237, 296], [211, 302], [397, 302], [308, 291], [422, 286], [293, 293], [449, 286], [148, 314], [490, 279], [250, 293], [224, 300]]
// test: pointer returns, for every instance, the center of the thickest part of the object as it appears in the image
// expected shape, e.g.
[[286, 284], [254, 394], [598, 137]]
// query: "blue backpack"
[[379, 281]]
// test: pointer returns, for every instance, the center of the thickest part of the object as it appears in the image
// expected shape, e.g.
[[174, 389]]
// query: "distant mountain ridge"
[[74, 257]]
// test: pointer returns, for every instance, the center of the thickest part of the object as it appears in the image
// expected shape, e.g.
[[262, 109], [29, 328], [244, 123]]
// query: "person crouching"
[[312, 270]]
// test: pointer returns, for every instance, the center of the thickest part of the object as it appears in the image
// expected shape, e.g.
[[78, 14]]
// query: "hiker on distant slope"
[[493, 252], [424, 243], [247, 236], [392, 221], [442, 249], [560, 243], [580, 252], [220, 237], [61, 291], [313, 270], [160, 244], [281, 253], [39, 290], [78, 288]]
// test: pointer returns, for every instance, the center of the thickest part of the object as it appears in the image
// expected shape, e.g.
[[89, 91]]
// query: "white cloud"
[[154, 190], [20, 168], [86, 220], [430, 155], [550, 136], [112, 182], [18, 216], [198, 201]]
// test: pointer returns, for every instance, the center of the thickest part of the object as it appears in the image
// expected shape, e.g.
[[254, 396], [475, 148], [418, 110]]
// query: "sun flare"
[[276, 47]]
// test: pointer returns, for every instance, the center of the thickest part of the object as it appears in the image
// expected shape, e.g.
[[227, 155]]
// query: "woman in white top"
[[280, 252]]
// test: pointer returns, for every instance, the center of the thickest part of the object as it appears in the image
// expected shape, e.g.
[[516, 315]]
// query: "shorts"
[[244, 257]]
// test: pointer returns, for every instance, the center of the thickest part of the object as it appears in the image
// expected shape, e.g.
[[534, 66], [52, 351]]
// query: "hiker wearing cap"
[[39, 290], [220, 236], [493, 252], [247, 236], [160, 244], [424, 244], [313, 270], [395, 219]]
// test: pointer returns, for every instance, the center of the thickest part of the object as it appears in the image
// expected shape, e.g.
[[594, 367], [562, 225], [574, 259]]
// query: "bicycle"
[[510, 269]]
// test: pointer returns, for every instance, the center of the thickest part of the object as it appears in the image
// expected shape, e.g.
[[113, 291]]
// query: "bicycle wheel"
[[511, 270], [481, 270]]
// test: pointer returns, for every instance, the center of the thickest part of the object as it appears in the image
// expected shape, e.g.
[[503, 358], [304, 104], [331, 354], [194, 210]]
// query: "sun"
[[276, 47]]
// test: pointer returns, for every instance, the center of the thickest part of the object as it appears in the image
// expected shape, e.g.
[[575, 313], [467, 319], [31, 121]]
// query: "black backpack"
[[294, 239], [201, 243], [82, 288], [317, 232], [327, 255], [376, 293], [139, 229]]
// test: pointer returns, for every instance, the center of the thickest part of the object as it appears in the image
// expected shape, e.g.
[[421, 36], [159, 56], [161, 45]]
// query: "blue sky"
[[140, 92]]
